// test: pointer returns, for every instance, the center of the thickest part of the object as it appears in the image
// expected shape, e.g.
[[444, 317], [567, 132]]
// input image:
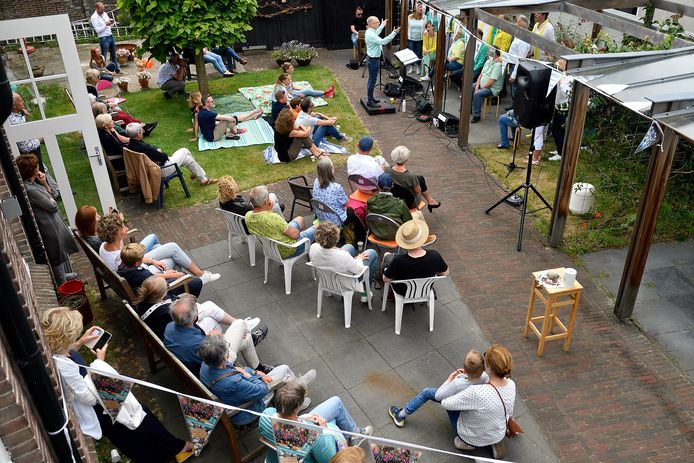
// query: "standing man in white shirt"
[[102, 25], [518, 49], [373, 51]]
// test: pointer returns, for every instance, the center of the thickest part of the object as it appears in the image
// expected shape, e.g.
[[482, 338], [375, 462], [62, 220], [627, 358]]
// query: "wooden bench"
[[107, 278], [154, 346]]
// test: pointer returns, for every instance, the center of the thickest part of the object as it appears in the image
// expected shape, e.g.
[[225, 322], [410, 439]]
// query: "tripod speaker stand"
[[526, 186]]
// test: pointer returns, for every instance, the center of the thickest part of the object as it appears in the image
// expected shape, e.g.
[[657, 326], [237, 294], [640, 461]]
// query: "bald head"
[[99, 7], [373, 22], [17, 102]]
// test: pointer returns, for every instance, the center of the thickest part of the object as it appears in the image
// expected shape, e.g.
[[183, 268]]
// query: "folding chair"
[[325, 209]]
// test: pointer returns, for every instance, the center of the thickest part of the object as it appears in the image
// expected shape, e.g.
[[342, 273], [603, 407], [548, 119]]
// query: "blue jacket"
[[183, 342], [236, 390]]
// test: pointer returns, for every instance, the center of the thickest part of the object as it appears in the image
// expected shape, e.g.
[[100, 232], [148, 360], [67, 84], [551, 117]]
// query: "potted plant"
[[284, 52], [143, 78], [122, 83], [122, 55], [304, 53]]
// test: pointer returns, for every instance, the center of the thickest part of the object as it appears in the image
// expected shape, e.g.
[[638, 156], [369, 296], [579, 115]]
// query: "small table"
[[361, 44], [553, 299]]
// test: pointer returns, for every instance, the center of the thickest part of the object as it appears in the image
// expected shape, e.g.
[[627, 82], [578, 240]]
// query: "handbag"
[[512, 426]]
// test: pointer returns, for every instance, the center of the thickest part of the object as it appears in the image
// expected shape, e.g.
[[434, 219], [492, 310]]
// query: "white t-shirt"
[[337, 260], [364, 165], [305, 119], [112, 258]]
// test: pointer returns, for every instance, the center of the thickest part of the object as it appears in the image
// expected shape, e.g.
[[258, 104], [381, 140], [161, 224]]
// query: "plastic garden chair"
[[236, 226], [272, 252], [341, 284], [416, 290]]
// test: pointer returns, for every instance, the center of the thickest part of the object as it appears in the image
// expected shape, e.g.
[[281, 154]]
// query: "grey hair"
[[213, 350], [290, 396], [523, 19], [259, 195], [184, 310], [400, 155], [133, 129]]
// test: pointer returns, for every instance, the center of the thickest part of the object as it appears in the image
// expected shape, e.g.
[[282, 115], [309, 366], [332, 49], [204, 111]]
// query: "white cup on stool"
[[569, 277]]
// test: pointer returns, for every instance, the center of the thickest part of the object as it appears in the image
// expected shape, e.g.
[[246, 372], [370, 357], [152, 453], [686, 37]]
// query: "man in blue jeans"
[[489, 83], [323, 126], [102, 26], [373, 52], [505, 121]]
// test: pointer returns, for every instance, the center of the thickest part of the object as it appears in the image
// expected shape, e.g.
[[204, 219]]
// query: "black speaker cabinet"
[[531, 104]]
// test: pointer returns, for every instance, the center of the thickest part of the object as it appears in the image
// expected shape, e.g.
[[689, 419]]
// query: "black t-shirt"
[[277, 107], [405, 267], [148, 150], [282, 144], [359, 23], [158, 319], [206, 123]]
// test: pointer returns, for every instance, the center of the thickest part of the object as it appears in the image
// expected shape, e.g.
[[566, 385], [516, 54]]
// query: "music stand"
[[406, 57]]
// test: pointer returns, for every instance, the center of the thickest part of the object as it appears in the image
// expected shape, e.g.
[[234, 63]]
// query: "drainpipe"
[[13, 181]]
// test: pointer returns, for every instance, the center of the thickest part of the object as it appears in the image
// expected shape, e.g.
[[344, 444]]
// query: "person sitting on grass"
[[289, 140], [214, 126], [280, 102], [472, 373], [295, 106], [112, 230], [181, 156], [331, 415], [230, 199], [264, 222], [184, 334], [288, 68], [238, 385], [322, 125], [195, 105], [98, 62]]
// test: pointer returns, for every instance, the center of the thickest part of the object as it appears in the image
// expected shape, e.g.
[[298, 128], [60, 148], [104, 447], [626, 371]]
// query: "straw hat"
[[412, 234]]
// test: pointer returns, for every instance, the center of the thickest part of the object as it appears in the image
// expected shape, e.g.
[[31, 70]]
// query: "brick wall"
[[76, 9]]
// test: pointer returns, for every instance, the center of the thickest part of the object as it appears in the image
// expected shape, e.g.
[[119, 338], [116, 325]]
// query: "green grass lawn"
[[245, 164]]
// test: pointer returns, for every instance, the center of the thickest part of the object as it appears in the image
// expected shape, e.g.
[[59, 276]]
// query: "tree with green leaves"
[[164, 24]]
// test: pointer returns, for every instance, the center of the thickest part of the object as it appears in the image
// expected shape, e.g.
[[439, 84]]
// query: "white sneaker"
[[460, 445], [208, 277], [556, 157], [309, 376], [554, 152], [346, 138], [251, 323], [305, 404], [425, 78]]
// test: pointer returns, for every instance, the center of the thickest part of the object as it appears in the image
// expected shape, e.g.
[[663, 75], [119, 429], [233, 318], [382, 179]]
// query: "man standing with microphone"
[[373, 51]]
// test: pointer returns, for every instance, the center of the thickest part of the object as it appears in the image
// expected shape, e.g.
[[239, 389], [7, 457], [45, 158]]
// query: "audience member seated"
[[331, 415], [192, 323], [480, 421], [135, 273], [295, 106], [321, 124], [110, 139], [413, 185], [112, 230], [488, 84], [230, 199], [181, 156], [384, 203], [288, 68], [98, 62], [505, 121], [324, 254], [136, 431], [17, 116], [43, 194], [290, 140], [92, 77], [280, 102], [349, 455], [472, 373], [418, 262], [331, 193], [86, 220], [172, 76], [214, 126], [264, 222], [364, 164], [217, 62], [480, 58], [195, 105], [99, 107], [230, 57], [235, 385]]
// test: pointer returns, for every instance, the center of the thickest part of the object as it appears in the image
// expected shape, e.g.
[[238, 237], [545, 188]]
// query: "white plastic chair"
[[417, 290], [340, 284], [272, 252], [236, 226]]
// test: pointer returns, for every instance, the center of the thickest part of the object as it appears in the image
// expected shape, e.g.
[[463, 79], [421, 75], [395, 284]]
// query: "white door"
[[82, 120]]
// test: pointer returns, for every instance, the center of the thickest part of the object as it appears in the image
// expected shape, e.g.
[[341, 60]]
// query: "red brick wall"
[[76, 9]]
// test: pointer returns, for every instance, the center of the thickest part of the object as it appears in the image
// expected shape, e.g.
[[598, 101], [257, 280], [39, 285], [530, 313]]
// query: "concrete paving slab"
[[212, 254], [355, 363], [399, 349]]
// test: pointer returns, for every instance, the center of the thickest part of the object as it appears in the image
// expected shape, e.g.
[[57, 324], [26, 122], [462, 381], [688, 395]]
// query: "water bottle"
[[115, 456], [403, 106], [360, 246]]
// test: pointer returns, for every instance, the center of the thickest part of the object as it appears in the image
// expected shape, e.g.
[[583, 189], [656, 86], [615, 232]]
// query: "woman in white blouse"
[[136, 432], [483, 415]]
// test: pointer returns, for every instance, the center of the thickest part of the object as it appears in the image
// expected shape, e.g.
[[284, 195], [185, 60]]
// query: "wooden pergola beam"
[[440, 65], [674, 7], [575, 121], [389, 17], [403, 24], [620, 25], [466, 85], [556, 6], [644, 227]]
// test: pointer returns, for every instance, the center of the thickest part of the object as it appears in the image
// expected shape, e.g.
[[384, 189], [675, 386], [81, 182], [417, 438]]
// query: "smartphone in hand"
[[98, 343]]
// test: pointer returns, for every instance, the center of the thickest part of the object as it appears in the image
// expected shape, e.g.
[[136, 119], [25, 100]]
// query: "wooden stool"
[[553, 298], [488, 102]]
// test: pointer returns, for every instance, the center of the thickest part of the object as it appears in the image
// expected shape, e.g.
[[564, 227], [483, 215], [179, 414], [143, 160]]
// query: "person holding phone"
[[136, 431], [102, 26], [324, 254]]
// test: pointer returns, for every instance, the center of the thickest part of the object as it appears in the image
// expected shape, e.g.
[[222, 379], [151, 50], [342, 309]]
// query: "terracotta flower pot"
[[144, 83], [123, 86], [122, 59]]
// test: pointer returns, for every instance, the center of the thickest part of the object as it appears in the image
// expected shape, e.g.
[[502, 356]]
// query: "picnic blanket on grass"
[[259, 133], [234, 103], [261, 97], [270, 154]]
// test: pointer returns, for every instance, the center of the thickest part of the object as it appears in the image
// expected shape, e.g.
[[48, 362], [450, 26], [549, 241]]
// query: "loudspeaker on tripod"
[[531, 104]]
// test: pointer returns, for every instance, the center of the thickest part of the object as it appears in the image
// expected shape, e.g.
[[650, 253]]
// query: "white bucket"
[[582, 198], [569, 277]]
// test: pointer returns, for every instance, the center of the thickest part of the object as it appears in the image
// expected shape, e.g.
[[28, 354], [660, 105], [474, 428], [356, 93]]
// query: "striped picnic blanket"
[[261, 97], [259, 133]]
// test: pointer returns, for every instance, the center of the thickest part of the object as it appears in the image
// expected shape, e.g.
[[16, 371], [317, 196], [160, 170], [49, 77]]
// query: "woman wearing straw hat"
[[418, 262]]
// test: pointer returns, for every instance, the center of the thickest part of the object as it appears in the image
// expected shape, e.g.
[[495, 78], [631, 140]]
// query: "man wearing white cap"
[[418, 262]]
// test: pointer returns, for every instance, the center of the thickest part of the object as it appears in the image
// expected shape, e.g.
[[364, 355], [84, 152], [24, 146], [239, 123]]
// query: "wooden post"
[[440, 68], [389, 17], [404, 11], [575, 121], [644, 227], [466, 85]]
